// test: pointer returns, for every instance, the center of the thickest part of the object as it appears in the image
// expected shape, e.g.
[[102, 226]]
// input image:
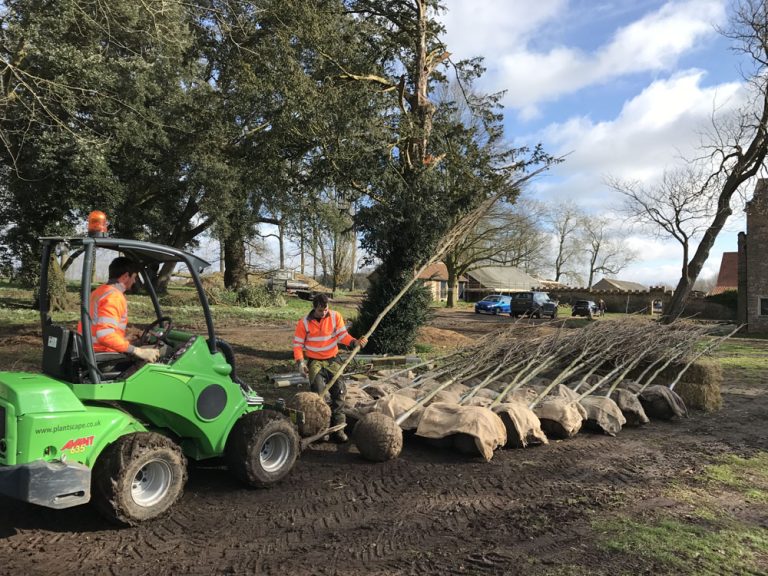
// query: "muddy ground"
[[429, 512]]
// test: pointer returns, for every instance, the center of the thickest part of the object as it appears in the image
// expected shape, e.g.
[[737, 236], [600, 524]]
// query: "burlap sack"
[[562, 391], [413, 393], [380, 390], [631, 407], [662, 403], [441, 420], [394, 405], [560, 418], [478, 401], [523, 426], [603, 415]]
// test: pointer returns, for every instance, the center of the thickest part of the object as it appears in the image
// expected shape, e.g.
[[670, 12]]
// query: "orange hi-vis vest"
[[320, 338], [109, 319]]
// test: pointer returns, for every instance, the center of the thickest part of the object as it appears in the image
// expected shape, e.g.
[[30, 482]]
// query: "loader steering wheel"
[[158, 330]]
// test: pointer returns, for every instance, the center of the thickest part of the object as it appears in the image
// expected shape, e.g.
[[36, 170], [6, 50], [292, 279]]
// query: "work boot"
[[339, 436]]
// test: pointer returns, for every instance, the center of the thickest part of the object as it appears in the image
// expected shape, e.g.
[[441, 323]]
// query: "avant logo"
[[80, 442]]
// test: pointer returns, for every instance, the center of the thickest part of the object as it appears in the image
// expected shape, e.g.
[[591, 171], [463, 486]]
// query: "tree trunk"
[[235, 273], [453, 290], [281, 244]]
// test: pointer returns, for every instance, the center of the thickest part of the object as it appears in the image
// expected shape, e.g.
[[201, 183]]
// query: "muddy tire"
[[262, 448], [138, 478]]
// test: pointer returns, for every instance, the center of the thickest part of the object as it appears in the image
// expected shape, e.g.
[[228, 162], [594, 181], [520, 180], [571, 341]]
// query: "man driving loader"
[[318, 335], [108, 309]]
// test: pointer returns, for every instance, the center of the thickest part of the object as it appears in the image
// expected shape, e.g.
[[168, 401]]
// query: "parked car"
[[585, 308], [534, 304], [493, 304]]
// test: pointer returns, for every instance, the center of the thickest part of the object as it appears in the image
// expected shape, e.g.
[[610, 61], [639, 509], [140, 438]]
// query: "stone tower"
[[753, 273]]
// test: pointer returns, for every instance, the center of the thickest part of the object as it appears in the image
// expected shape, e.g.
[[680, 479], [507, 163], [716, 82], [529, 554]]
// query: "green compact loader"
[[101, 427]]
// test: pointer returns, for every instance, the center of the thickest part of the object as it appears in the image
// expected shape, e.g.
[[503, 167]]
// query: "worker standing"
[[315, 350], [108, 309]]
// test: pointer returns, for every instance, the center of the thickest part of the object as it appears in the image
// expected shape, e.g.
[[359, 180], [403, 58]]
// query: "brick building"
[[753, 274]]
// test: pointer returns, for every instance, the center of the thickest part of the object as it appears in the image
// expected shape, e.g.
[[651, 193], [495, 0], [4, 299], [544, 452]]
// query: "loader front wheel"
[[138, 477], [262, 448]]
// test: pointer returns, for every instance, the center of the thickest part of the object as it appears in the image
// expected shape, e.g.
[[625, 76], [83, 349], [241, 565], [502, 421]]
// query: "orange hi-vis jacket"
[[320, 338], [109, 319]]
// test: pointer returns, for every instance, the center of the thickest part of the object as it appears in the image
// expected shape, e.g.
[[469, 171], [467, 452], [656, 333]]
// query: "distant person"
[[108, 309], [601, 306], [315, 350]]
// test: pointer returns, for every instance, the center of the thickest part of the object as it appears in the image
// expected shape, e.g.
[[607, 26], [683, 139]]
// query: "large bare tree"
[[564, 222], [681, 206], [605, 250], [736, 146]]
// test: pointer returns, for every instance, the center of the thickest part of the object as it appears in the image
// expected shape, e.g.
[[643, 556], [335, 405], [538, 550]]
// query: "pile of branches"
[[600, 356]]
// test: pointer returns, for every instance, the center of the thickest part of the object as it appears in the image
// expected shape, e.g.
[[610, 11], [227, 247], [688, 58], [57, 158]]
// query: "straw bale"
[[378, 437], [559, 417], [630, 406], [487, 429], [700, 396], [522, 424], [603, 415]]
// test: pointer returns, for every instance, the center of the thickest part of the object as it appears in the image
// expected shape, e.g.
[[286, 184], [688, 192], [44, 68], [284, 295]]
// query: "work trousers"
[[320, 373]]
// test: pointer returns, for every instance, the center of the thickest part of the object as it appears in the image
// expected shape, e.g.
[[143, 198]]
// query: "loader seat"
[[62, 357], [61, 354]]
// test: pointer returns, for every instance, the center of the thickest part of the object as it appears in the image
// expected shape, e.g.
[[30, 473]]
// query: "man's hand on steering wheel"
[[157, 330]]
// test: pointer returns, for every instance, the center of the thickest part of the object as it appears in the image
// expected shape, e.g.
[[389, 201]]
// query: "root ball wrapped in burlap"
[[317, 414], [523, 426], [630, 406], [378, 437], [560, 418], [662, 403], [603, 415]]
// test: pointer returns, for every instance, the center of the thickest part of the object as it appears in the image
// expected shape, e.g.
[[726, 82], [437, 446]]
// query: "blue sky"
[[624, 86]]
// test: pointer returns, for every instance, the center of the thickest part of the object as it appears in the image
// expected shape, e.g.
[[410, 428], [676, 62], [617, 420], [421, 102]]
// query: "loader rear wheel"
[[262, 448], [138, 477]]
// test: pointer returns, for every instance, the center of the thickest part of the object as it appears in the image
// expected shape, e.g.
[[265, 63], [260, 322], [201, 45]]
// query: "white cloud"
[[651, 132], [503, 32]]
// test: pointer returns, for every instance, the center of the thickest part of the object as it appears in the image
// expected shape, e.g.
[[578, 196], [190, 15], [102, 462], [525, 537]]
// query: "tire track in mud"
[[428, 512]]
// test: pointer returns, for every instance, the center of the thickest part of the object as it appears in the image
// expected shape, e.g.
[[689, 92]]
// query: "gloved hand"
[[302, 367], [147, 353], [362, 341]]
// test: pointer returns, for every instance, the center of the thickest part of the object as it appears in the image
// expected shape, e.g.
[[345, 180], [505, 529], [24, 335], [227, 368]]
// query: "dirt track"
[[429, 512]]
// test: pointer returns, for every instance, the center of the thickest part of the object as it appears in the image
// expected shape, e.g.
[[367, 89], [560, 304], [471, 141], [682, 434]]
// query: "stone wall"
[[626, 301], [756, 272], [641, 301]]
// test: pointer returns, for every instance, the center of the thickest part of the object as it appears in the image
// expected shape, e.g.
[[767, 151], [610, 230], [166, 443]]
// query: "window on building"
[[762, 309]]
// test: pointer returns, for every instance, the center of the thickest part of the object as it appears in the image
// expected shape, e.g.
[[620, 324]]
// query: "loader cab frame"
[[150, 257]]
